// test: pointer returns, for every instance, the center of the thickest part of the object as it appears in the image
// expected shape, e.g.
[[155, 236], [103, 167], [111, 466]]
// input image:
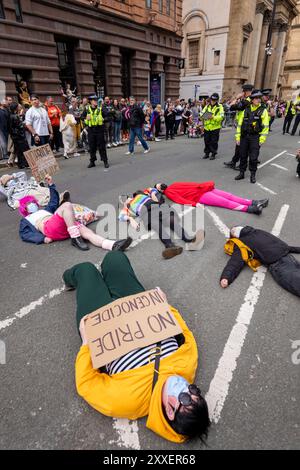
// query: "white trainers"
[[147, 151], [76, 154], [115, 144], [157, 140], [66, 156], [108, 146], [129, 153]]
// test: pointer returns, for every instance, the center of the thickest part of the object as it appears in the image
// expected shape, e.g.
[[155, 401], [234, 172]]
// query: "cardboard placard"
[[129, 323], [42, 162]]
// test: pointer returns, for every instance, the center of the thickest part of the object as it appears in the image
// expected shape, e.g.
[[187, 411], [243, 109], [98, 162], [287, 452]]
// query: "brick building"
[[114, 47]]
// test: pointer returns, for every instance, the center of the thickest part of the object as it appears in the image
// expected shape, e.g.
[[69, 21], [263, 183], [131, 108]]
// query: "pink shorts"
[[56, 229]]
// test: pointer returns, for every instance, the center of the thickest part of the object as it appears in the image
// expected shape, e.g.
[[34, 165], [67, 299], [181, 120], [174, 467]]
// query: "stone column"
[[140, 71], [256, 40], [84, 68], [278, 57], [262, 52], [158, 65], [172, 79], [113, 71]]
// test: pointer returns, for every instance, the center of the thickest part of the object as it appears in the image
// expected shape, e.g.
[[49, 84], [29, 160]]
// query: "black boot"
[[205, 156], [79, 243], [66, 197], [91, 165], [213, 156], [121, 245], [241, 176], [229, 165], [261, 202], [255, 210], [106, 165], [252, 178]]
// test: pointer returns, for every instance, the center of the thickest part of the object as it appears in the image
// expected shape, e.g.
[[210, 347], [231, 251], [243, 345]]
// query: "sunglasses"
[[185, 398]]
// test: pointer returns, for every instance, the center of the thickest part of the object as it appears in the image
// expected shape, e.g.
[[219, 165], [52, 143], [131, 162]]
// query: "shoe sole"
[[126, 245], [171, 252], [200, 237]]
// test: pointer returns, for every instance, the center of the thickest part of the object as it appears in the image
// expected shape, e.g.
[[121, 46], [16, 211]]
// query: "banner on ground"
[[42, 162], [129, 323]]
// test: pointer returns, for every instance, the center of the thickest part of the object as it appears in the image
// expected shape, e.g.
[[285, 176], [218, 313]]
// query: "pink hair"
[[23, 204]]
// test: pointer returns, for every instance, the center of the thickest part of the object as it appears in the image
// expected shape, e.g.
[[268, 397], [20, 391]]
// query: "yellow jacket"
[[129, 394], [246, 252], [264, 120], [215, 122]]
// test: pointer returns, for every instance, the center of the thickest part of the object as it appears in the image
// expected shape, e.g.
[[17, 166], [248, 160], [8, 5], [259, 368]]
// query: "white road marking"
[[219, 386], [218, 223], [291, 154], [271, 159], [280, 167], [23, 265], [127, 434], [266, 189]]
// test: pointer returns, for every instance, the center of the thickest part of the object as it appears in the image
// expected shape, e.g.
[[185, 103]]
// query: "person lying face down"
[[175, 407], [248, 245], [148, 205], [57, 222]]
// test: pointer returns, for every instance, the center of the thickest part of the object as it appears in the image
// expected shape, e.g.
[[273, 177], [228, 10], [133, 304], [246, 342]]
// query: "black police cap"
[[93, 97], [214, 96], [247, 87], [266, 91]]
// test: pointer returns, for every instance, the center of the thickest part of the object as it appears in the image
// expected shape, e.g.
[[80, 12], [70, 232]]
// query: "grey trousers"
[[286, 272]]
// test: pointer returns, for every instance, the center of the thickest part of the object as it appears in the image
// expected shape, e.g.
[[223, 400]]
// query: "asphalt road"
[[258, 382]]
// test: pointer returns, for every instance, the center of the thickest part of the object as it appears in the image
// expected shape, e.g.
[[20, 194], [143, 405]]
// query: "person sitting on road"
[[248, 245], [149, 206], [176, 409], [57, 222], [205, 193]]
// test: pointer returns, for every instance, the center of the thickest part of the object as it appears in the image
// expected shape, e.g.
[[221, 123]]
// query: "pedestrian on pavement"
[[136, 119], [179, 107], [93, 119], [170, 116], [297, 118], [238, 105], [38, 123], [18, 136], [212, 115], [156, 122], [186, 116], [289, 114], [252, 132], [108, 116], [251, 246], [54, 114], [117, 123], [129, 387], [4, 129]]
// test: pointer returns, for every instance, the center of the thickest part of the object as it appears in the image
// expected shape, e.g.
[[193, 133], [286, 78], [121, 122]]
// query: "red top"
[[188, 193], [54, 114]]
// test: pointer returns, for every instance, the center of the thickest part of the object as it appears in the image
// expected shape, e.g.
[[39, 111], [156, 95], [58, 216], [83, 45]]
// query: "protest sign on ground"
[[42, 162]]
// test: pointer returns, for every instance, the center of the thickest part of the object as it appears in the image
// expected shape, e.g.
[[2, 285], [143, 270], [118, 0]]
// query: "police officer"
[[239, 104], [290, 112], [252, 132], [212, 125], [266, 102], [93, 118], [297, 119]]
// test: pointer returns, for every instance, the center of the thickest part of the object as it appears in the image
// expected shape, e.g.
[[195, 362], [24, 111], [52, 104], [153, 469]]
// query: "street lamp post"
[[268, 47], [196, 89]]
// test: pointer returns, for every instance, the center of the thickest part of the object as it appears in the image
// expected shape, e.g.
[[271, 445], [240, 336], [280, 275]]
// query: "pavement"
[[247, 334]]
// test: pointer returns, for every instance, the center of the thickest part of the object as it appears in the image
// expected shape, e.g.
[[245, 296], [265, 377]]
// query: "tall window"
[[160, 6], [148, 3], [65, 53], [126, 73], [244, 59], [2, 14], [217, 55], [18, 10], [168, 7], [98, 58], [194, 54]]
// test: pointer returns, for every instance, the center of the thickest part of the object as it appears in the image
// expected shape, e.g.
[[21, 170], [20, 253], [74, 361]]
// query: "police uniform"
[[239, 108], [96, 133], [297, 119], [252, 131], [290, 112], [212, 127]]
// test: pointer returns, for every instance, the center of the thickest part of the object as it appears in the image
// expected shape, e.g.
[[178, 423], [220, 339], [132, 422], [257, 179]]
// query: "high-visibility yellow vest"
[[246, 252], [291, 105], [96, 117], [218, 114]]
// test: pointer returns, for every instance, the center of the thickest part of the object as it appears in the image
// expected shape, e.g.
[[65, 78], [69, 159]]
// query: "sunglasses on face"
[[185, 398]]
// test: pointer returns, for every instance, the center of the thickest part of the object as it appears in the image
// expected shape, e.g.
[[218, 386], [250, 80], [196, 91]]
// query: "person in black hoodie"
[[170, 121], [18, 136], [267, 250]]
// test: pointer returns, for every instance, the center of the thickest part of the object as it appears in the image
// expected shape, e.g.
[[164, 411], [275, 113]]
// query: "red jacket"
[[54, 114], [188, 193]]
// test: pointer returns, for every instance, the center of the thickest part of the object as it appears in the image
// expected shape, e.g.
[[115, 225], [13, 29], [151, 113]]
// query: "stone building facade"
[[224, 45], [114, 47], [291, 79]]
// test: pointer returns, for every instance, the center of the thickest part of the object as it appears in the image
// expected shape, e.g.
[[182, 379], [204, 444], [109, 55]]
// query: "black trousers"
[[109, 132], [157, 126], [298, 169], [57, 139], [249, 149], [237, 154], [287, 123], [170, 129], [211, 140], [20, 147], [271, 121], [97, 142], [296, 124], [286, 272]]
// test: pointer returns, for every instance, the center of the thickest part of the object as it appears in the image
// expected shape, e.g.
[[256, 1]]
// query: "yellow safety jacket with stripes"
[[215, 122], [96, 117], [290, 106], [253, 121]]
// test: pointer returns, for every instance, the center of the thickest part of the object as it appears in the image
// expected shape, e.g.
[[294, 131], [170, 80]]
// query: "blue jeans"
[[136, 131], [117, 131]]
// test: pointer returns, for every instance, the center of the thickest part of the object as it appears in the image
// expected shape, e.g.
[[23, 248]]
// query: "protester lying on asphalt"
[[54, 223], [298, 166], [128, 387], [149, 206], [206, 193], [254, 247]]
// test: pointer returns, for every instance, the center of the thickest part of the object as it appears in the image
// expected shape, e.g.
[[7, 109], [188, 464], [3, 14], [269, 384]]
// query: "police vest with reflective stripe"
[[96, 117], [252, 123]]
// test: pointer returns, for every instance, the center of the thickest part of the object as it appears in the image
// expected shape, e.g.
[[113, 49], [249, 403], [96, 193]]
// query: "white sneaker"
[[108, 146], [147, 151], [66, 156], [157, 140], [129, 153], [115, 144], [76, 154]]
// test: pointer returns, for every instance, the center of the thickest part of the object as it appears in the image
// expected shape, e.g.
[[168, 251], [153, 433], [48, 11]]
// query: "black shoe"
[[212, 157], [259, 162], [79, 243], [241, 176], [121, 245], [261, 202], [65, 197], [255, 209], [106, 165], [172, 251], [91, 165], [252, 178], [205, 157], [229, 165], [237, 168]]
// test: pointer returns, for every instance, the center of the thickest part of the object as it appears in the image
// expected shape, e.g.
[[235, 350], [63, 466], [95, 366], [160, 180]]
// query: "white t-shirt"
[[178, 117], [37, 216], [38, 118]]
